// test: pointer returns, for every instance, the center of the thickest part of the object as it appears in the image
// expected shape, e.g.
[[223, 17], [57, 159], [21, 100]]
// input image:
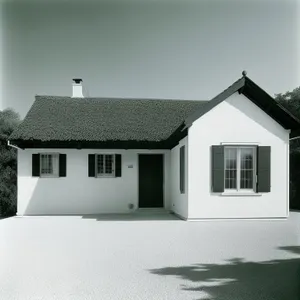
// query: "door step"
[[152, 211]]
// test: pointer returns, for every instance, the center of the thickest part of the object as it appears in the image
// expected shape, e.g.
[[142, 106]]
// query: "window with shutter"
[[241, 169], [49, 165], [105, 165]]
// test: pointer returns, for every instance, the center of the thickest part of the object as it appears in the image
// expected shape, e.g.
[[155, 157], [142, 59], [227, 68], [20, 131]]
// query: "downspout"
[[9, 144], [294, 138]]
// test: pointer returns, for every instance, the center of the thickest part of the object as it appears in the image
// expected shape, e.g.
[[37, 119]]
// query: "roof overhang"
[[38, 144], [169, 143], [259, 97]]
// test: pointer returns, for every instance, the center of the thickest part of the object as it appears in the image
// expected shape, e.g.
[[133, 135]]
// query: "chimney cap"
[[77, 80]]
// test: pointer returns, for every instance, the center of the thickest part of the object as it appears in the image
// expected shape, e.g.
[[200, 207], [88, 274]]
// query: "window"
[[105, 165], [240, 171], [181, 169], [49, 165]]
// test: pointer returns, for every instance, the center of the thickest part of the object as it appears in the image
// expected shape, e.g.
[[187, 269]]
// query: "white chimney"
[[77, 88]]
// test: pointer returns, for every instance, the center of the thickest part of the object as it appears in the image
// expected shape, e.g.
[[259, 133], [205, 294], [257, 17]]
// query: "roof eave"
[[131, 144], [270, 106], [236, 86], [248, 88]]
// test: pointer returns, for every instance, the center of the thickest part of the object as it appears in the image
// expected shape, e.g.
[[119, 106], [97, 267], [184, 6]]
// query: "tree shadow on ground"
[[241, 280]]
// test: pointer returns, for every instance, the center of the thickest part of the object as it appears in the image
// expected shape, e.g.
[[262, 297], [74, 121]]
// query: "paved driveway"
[[122, 258]]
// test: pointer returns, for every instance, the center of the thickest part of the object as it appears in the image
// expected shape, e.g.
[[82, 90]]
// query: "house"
[[223, 158]]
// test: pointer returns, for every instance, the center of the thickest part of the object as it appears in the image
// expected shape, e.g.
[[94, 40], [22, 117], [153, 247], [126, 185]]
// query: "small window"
[[182, 170], [105, 165], [240, 170], [49, 165]]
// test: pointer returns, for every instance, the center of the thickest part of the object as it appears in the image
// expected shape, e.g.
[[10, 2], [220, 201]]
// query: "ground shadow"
[[292, 249], [238, 279], [133, 217]]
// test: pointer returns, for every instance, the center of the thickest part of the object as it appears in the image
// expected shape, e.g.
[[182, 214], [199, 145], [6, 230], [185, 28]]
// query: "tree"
[[291, 101], [9, 119]]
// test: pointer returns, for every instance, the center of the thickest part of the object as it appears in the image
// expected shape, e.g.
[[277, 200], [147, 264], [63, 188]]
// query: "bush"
[[8, 164]]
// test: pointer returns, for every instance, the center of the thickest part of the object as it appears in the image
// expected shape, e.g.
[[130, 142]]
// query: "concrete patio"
[[149, 257]]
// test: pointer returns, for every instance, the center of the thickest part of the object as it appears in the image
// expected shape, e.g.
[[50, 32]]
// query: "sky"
[[145, 49]]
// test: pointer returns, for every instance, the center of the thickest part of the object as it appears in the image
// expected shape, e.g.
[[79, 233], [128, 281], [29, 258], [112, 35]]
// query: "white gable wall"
[[237, 120], [179, 202], [79, 194]]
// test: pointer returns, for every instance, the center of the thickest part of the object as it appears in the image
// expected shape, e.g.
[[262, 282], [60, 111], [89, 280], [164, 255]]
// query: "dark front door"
[[151, 180]]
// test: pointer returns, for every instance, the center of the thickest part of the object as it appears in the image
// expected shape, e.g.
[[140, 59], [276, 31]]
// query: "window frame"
[[105, 175], [238, 189], [55, 164]]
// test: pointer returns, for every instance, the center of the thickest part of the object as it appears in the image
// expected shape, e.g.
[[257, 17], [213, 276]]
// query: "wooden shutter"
[[118, 165], [217, 169], [35, 165], [182, 169], [92, 165], [62, 165], [263, 169]]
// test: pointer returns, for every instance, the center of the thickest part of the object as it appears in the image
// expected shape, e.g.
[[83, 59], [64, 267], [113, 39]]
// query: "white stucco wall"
[[236, 120], [179, 202], [77, 193]]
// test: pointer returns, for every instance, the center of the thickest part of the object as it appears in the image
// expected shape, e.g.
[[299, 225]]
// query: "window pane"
[[230, 158], [247, 170], [43, 164], [246, 179], [230, 179], [246, 158], [105, 164], [100, 164], [54, 160], [108, 164], [50, 165], [230, 168], [46, 164]]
